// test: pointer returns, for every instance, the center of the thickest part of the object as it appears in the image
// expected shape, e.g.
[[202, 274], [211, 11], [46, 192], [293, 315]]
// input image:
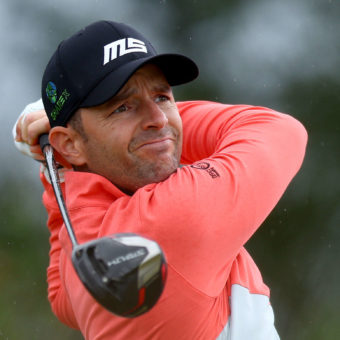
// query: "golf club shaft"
[[54, 177]]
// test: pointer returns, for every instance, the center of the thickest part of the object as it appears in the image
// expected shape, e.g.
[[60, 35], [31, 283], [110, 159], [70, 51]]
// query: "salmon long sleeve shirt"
[[237, 162]]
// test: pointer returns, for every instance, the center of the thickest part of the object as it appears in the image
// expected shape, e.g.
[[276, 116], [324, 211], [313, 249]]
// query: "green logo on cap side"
[[60, 104], [51, 92]]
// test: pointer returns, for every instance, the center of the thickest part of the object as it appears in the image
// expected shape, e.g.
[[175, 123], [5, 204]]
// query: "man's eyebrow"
[[122, 95]]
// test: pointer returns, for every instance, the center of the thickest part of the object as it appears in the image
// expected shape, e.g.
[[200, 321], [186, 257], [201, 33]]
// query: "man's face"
[[136, 137]]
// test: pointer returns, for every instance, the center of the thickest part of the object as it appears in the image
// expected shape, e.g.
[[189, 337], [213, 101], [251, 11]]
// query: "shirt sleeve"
[[243, 160]]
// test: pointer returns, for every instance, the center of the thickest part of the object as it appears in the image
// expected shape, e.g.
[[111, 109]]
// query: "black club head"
[[125, 273]]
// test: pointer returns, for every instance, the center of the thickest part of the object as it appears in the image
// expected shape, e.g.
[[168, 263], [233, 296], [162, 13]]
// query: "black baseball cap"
[[92, 65]]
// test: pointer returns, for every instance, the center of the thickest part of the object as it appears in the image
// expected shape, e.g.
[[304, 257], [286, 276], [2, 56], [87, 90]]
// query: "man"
[[197, 177]]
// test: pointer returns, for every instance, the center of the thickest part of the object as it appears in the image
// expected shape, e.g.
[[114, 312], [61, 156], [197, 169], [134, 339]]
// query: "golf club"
[[124, 272]]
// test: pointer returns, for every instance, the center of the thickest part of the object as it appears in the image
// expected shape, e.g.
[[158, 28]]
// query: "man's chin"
[[151, 178], [158, 171]]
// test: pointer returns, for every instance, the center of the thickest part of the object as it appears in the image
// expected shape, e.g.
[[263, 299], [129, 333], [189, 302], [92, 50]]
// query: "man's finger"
[[36, 128], [27, 133]]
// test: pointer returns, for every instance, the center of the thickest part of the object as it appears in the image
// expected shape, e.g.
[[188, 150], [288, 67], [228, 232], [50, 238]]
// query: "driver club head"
[[125, 272]]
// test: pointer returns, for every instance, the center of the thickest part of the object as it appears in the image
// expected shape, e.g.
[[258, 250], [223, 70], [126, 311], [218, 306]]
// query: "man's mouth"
[[153, 140], [155, 143]]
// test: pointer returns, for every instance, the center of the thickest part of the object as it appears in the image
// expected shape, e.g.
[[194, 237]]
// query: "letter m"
[[121, 47]]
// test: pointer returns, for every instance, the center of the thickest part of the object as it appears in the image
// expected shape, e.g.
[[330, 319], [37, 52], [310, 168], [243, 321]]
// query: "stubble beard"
[[155, 172], [159, 168], [134, 172]]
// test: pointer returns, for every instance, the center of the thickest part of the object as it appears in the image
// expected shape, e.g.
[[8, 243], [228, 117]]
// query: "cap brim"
[[177, 69]]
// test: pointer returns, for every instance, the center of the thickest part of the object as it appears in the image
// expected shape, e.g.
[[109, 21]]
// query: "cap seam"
[[114, 28]]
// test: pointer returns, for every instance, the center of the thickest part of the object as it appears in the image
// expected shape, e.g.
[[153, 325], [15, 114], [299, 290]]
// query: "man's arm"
[[245, 157]]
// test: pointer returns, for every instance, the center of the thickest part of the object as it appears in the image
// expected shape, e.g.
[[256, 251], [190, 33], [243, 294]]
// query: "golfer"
[[197, 177]]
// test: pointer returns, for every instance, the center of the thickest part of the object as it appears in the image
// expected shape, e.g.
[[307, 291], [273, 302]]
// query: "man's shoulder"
[[208, 105], [196, 103]]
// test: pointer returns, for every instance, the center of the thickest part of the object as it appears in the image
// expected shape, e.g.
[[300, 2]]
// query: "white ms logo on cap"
[[121, 47]]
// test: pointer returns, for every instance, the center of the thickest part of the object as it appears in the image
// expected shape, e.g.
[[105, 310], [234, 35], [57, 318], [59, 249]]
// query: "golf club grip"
[[43, 141]]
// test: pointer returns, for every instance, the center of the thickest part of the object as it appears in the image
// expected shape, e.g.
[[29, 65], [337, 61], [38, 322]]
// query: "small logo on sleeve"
[[206, 167]]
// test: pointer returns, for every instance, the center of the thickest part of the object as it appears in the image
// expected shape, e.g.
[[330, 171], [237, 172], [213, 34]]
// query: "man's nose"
[[153, 116]]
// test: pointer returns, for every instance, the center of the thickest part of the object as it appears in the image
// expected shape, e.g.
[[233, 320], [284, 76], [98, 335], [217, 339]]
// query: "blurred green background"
[[281, 54]]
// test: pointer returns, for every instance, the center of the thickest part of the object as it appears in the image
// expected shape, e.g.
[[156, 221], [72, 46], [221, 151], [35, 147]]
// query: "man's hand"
[[31, 123], [29, 127]]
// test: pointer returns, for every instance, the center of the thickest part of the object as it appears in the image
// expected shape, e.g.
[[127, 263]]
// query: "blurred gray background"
[[281, 54]]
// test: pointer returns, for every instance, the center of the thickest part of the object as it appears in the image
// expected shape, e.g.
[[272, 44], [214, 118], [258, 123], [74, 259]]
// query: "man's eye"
[[120, 109], [161, 98]]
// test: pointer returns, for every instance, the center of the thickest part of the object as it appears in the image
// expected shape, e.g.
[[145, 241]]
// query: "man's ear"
[[69, 144]]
